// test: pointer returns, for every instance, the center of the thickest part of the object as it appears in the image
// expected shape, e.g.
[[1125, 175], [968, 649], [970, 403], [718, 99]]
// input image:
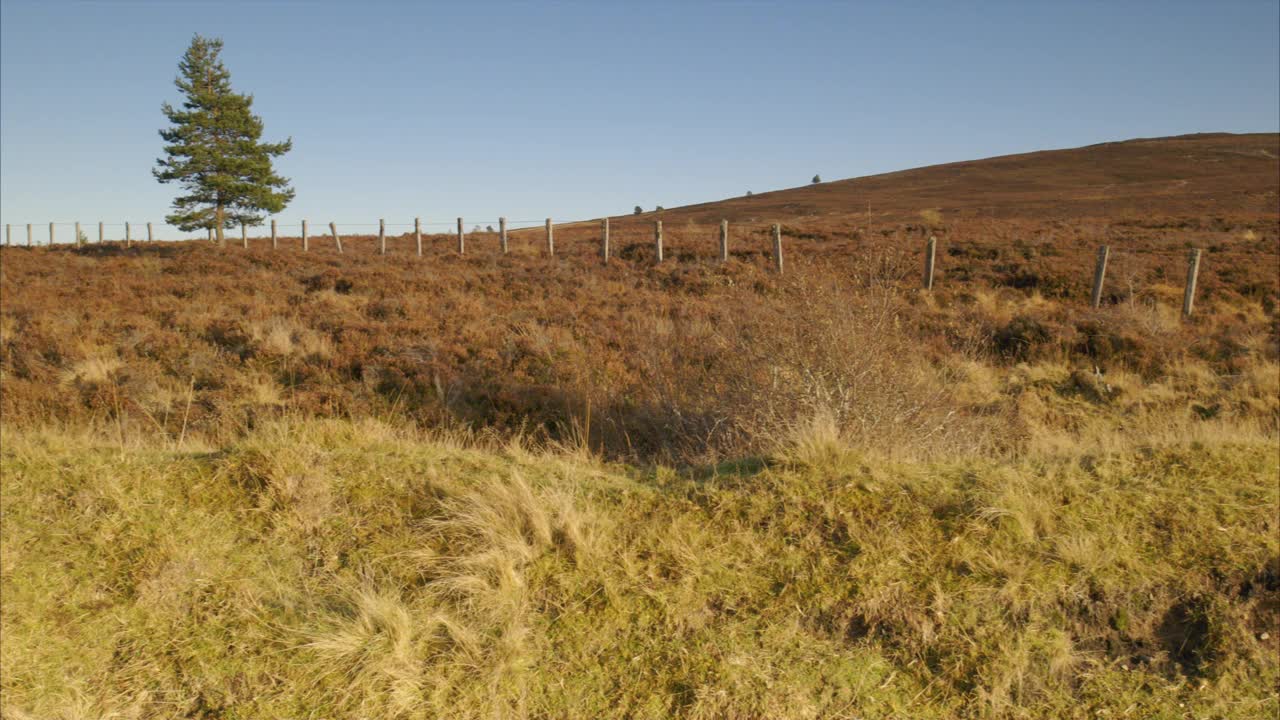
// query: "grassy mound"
[[350, 569]]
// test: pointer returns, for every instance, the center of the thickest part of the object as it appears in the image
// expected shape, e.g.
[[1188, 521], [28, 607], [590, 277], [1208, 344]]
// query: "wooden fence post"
[[78, 242], [604, 240], [337, 239], [551, 239], [1099, 275], [150, 237], [275, 242], [930, 256], [777, 247], [128, 241], [244, 237], [502, 234], [50, 234], [417, 234], [101, 234], [8, 234], [1193, 272], [28, 234], [724, 240], [462, 239], [657, 238], [210, 234], [382, 236], [304, 236]]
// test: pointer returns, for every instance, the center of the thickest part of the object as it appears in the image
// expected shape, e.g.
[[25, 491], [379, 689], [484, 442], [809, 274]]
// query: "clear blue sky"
[[576, 110]]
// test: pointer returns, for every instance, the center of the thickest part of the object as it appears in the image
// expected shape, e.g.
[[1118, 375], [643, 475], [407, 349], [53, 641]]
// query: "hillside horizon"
[[1192, 174], [1199, 175]]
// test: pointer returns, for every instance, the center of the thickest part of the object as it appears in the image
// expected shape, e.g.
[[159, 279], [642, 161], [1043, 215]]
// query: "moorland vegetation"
[[268, 483]]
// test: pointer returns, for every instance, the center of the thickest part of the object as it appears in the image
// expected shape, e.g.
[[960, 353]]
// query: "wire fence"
[[70, 232], [1123, 263]]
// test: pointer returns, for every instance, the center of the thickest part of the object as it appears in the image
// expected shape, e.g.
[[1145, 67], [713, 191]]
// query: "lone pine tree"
[[214, 151]]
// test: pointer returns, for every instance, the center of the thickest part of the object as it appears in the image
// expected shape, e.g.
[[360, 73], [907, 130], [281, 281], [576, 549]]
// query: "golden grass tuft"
[[286, 337], [931, 216], [816, 442], [96, 369], [262, 390], [377, 651]]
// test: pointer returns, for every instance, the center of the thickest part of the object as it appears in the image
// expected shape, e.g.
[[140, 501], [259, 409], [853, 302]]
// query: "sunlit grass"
[[331, 568]]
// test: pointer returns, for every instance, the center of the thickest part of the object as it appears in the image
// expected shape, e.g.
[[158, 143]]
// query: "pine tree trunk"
[[218, 218]]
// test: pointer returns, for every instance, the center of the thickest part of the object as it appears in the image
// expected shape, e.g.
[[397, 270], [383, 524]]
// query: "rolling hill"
[[1186, 175]]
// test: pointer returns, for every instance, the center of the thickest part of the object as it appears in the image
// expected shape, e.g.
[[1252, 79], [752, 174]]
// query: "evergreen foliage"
[[213, 149]]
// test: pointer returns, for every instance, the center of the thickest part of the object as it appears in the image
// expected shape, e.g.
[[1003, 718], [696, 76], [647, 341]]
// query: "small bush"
[[1104, 345], [1021, 337]]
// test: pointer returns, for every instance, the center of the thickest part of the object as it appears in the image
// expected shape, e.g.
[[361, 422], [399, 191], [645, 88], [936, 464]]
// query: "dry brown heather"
[[683, 361]]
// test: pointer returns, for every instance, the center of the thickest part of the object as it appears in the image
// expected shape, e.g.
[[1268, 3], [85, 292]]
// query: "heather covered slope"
[[1235, 176], [688, 361], [339, 569]]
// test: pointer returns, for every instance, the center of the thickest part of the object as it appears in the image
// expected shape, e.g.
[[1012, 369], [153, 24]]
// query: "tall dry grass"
[[355, 569]]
